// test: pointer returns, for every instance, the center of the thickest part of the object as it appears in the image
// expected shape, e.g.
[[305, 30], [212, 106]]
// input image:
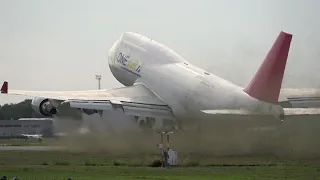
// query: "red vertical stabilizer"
[[4, 88], [267, 81]]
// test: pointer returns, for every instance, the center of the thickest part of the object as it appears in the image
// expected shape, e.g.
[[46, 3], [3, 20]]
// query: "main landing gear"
[[168, 156]]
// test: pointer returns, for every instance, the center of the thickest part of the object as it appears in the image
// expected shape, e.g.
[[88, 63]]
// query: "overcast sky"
[[62, 44]]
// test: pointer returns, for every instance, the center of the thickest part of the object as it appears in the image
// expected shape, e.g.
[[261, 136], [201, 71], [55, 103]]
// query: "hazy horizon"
[[61, 45]]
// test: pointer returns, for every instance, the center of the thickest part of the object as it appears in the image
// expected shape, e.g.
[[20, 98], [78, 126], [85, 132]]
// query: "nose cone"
[[123, 76]]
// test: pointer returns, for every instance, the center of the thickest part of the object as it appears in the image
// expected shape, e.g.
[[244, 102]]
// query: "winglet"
[[266, 83], [4, 88]]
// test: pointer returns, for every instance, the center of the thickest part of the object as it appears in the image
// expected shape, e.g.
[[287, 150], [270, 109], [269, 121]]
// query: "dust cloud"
[[66, 124], [295, 138]]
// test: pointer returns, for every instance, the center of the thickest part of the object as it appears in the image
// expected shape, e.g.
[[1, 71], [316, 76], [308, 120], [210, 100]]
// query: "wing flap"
[[128, 108], [148, 112]]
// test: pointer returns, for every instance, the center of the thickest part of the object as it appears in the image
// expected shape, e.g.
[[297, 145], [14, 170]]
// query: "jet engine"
[[43, 106]]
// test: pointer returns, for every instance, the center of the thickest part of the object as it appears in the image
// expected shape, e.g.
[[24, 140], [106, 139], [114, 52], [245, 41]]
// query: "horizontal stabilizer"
[[240, 112], [244, 112], [300, 98], [301, 111]]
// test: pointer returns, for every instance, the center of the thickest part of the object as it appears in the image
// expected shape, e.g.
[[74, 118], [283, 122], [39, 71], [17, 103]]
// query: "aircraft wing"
[[135, 100], [300, 98]]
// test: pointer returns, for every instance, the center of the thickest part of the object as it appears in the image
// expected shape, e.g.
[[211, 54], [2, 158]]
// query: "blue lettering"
[[133, 65], [122, 59], [119, 57], [138, 68]]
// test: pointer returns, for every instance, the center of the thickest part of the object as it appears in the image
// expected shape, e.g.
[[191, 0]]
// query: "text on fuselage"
[[125, 61]]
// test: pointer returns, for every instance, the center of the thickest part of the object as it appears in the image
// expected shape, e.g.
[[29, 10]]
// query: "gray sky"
[[61, 45]]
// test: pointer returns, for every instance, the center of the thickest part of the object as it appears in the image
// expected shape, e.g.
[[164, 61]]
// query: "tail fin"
[[4, 88], [267, 81]]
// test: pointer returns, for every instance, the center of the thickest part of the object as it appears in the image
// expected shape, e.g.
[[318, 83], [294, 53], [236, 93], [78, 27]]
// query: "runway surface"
[[29, 148]]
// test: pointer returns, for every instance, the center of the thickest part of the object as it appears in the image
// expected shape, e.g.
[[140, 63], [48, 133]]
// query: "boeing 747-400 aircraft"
[[159, 83]]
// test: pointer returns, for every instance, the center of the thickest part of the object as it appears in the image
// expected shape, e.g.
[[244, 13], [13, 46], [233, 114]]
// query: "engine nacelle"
[[43, 106]]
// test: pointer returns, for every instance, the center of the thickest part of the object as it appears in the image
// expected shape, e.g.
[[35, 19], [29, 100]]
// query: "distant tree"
[[20, 110]]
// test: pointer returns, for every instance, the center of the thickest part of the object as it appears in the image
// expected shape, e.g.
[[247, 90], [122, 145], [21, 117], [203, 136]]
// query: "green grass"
[[100, 172], [27, 142], [60, 165]]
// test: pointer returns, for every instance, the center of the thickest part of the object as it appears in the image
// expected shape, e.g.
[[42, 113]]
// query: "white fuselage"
[[186, 88]]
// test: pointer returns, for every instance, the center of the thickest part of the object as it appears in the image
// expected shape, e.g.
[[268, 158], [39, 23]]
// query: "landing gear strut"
[[163, 150]]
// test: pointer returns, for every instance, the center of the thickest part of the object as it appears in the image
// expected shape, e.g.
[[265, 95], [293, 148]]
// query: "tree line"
[[20, 110]]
